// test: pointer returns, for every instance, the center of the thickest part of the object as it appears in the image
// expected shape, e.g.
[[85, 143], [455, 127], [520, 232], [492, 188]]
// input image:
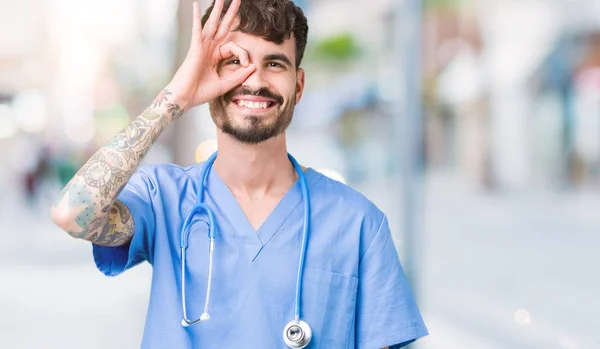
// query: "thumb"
[[236, 78]]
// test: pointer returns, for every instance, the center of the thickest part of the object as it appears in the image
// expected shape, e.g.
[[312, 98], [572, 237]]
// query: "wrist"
[[169, 104]]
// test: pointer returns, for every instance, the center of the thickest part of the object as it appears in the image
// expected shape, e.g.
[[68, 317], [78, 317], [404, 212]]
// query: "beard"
[[252, 129]]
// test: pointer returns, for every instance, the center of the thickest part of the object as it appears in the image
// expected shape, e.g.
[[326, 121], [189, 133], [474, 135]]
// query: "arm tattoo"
[[119, 228], [80, 196], [165, 98], [91, 196]]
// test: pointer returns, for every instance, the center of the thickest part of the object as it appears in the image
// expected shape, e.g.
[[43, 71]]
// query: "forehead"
[[258, 47]]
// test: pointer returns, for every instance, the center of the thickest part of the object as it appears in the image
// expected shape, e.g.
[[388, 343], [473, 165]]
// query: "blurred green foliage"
[[444, 4], [340, 47]]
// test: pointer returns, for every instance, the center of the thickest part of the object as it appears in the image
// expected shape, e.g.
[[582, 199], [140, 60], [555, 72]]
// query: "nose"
[[256, 80]]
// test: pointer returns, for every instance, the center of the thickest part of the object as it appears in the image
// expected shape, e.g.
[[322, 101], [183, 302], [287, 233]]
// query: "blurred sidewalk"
[[512, 270], [52, 296]]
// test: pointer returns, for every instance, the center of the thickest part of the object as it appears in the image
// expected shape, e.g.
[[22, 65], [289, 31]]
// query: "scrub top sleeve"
[[386, 314], [137, 196]]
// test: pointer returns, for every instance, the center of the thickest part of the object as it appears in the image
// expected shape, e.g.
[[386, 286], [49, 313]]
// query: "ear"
[[299, 84]]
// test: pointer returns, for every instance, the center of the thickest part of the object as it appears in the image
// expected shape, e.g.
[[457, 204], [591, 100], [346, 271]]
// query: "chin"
[[251, 119]]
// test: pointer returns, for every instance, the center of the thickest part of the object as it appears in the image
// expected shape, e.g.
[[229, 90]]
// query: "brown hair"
[[273, 20]]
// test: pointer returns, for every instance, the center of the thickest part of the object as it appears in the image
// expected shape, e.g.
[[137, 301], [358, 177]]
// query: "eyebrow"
[[278, 57]]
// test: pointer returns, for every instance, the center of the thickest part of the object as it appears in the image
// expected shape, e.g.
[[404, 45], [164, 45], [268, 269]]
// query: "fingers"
[[227, 21], [236, 78], [231, 49], [212, 24], [197, 24]]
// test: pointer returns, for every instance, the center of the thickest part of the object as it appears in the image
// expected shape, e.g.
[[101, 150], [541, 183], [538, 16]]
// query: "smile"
[[253, 104]]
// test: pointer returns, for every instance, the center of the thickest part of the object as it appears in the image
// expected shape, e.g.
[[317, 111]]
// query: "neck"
[[256, 169]]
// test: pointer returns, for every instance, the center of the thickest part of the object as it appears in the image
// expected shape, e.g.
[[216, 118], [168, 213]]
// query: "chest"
[[254, 291], [257, 211], [254, 279]]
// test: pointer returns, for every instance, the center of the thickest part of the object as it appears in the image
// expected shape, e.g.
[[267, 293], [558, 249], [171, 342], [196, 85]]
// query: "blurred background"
[[474, 124]]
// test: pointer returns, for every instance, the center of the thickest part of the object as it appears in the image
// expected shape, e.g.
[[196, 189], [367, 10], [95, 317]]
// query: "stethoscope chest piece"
[[297, 334]]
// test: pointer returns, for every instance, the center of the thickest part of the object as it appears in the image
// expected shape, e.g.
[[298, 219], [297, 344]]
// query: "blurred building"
[[490, 67], [511, 106]]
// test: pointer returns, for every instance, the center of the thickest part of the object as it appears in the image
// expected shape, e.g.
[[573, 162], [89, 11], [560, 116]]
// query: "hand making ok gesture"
[[197, 81]]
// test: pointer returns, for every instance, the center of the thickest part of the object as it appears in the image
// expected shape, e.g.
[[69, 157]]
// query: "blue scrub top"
[[355, 293]]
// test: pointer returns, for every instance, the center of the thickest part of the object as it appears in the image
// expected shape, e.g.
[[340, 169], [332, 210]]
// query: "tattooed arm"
[[88, 208]]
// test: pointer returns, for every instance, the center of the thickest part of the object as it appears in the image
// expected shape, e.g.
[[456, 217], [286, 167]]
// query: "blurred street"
[[51, 295], [511, 271], [517, 271], [488, 111]]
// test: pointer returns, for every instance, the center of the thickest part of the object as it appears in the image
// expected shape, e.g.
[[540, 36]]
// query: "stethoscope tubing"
[[200, 206], [299, 280]]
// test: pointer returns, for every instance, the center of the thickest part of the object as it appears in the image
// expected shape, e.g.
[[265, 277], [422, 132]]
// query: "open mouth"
[[254, 105]]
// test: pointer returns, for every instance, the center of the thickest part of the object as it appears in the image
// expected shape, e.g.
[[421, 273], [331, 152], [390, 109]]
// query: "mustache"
[[246, 91]]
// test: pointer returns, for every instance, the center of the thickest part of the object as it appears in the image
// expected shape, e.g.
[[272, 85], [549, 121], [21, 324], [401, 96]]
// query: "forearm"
[[82, 208]]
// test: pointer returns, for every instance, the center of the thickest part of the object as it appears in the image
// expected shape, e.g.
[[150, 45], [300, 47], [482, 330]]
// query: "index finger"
[[228, 19]]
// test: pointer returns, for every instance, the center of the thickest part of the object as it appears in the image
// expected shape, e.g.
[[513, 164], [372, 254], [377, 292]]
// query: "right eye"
[[233, 62]]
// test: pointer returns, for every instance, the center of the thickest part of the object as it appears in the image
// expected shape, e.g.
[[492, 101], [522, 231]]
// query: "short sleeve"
[[386, 314], [137, 196]]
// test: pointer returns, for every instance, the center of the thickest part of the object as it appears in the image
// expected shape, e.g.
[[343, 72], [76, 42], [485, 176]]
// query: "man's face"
[[263, 105]]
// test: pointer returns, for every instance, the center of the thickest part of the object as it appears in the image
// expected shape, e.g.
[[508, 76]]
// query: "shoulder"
[[336, 197], [338, 193], [162, 178], [169, 172]]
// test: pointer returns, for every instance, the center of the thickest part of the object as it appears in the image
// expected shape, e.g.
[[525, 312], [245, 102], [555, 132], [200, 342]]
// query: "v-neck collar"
[[255, 240]]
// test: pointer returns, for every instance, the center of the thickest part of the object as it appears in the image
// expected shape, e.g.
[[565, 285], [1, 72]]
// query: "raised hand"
[[197, 81]]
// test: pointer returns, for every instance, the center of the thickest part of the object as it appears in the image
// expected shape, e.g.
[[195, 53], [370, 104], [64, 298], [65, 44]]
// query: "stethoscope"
[[297, 333]]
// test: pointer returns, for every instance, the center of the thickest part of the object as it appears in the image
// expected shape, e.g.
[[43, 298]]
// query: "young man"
[[244, 60]]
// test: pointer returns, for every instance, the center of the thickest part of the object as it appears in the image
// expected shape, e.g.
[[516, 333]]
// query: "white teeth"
[[252, 105]]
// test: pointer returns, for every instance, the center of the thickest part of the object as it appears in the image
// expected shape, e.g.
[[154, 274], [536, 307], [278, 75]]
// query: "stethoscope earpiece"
[[296, 334]]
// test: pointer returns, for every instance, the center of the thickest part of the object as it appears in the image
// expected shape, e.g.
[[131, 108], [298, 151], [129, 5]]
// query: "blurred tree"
[[444, 4], [181, 134], [340, 47]]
